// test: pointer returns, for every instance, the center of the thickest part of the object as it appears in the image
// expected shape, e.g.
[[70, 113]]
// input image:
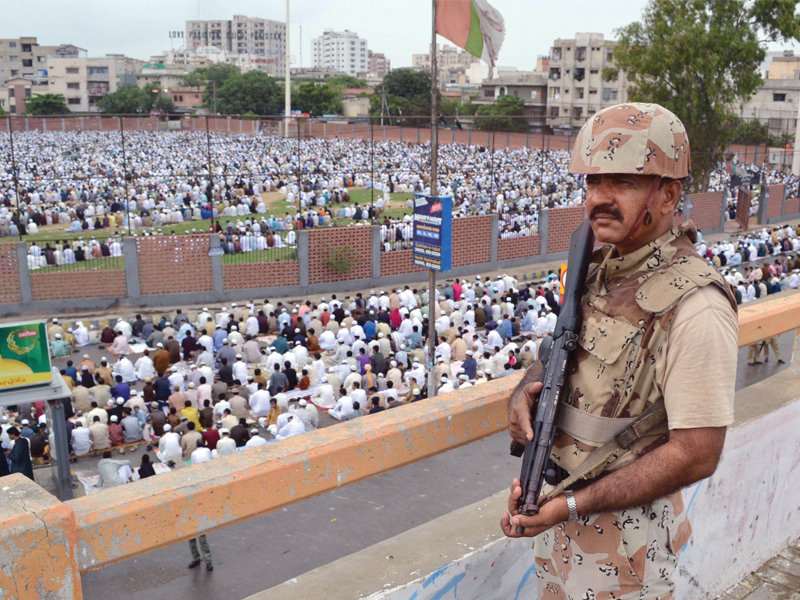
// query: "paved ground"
[[778, 579]]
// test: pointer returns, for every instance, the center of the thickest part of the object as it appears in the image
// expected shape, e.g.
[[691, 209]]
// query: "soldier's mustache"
[[606, 210]]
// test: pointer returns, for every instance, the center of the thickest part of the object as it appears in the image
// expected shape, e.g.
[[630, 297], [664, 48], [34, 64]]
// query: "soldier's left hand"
[[552, 513]]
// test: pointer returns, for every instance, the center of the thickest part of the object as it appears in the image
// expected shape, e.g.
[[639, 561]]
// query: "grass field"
[[275, 203]]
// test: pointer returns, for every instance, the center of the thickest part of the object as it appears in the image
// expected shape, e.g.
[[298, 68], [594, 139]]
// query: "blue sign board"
[[433, 232]]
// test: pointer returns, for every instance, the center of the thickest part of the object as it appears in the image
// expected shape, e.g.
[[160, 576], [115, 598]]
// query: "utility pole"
[[125, 176], [14, 171], [210, 177], [287, 104], [432, 383]]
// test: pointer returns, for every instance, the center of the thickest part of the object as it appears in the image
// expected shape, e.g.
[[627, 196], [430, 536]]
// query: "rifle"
[[556, 358]]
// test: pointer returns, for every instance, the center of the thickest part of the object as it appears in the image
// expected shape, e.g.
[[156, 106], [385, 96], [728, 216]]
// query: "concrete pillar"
[[354, 131], [38, 544], [376, 251], [687, 207], [27, 126], [508, 139], [419, 136], [469, 141], [63, 124], [495, 238], [796, 156], [303, 255], [25, 291], [761, 216], [401, 133], [722, 212], [58, 422], [131, 259], [44, 124], [100, 123], [217, 276], [783, 200], [544, 224], [325, 130]]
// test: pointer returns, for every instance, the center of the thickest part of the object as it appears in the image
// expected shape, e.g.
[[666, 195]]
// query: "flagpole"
[[434, 191]]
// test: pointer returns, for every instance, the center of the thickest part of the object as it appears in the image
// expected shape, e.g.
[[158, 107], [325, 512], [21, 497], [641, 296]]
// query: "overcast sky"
[[396, 28]]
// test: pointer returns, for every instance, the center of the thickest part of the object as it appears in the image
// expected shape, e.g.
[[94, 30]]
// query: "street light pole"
[[14, 171], [432, 383], [287, 105]]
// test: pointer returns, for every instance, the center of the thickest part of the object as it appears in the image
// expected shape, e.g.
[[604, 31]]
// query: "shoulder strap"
[[644, 423]]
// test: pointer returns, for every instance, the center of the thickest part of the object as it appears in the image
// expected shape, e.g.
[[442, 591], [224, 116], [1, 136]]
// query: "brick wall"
[[174, 264], [266, 274], [398, 263], [59, 285], [775, 203], [9, 274], [707, 210], [522, 247], [472, 240], [562, 222], [792, 206], [322, 241]]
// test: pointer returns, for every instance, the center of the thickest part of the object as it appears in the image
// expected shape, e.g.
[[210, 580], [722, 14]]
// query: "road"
[[265, 551]]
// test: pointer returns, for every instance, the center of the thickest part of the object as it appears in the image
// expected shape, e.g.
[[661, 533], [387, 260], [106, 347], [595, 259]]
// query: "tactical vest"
[[628, 307]]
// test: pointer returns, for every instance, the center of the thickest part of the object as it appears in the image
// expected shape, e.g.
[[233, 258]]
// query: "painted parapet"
[[38, 544], [742, 516]]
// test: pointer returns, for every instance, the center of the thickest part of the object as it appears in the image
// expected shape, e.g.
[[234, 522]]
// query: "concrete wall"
[[743, 515]]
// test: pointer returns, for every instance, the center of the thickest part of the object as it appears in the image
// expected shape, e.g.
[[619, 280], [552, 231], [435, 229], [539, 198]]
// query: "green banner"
[[24, 355]]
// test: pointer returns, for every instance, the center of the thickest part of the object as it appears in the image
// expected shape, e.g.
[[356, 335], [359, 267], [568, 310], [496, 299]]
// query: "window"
[[591, 92], [27, 92], [12, 109], [11, 92], [580, 53], [580, 74], [579, 93], [577, 112], [13, 58], [779, 97], [555, 74], [72, 70], [27, 62], [553, 111], [14, 73], [12, 44], [594, 71], [26, 47], [74, 86], [73, 101]]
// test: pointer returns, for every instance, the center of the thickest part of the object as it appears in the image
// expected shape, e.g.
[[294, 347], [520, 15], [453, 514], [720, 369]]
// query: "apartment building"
[[83, 81], [24, 57], [340, 50], [14, 94], [530, 86], [576, 86], [243, 35], [377, 64]]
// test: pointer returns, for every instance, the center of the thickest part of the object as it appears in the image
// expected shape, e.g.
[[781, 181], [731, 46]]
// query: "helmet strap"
[[646, 216]]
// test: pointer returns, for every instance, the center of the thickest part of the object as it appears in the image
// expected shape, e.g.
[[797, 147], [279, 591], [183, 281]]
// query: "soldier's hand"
[[551, 513], [520, 412]]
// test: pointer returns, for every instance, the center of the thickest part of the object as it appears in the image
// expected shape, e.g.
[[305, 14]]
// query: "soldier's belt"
[[589, 428], [626, 435]]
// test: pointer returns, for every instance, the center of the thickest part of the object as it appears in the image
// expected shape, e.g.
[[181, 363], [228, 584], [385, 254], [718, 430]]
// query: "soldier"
[[651, 309]]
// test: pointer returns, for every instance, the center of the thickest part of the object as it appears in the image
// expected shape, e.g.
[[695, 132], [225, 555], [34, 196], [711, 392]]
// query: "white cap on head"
[[55, 320], [86, 356], [58, 336], [191, 386], [4, 419], [114, 419], [120, 400], [303, 402], [159, 345], [167, 427], [234, 328], [238, 356], [25, 421], [415, 391], [223, 431], [233, 304], [174, 369]]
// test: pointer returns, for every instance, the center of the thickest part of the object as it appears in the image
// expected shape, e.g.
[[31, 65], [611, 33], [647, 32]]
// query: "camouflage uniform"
[[628, 306]]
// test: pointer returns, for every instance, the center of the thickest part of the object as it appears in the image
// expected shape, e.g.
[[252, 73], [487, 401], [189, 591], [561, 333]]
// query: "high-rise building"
[[576, 86], [84, 81], [451, 64], [343, 51], [243, 35], [24, 57], [378, 64]]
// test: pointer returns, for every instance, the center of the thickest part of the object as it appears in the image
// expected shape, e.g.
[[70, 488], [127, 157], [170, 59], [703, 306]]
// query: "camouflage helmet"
[[634, 139]]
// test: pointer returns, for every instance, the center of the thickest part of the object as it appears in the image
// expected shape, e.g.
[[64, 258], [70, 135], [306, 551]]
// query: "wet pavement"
[[777, 579]]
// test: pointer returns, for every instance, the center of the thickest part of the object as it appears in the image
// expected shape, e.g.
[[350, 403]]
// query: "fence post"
[[401, 133], [469, 141], [100, 123], [783, 201], [38, 543], [508, 139], [63, 124], [217, 274], [325, 130], [303, 255], [25, 290], [763, 201], [131, 258], [495, 239], [419, 138], [376, 251], [544, 224], [44, 124], [723, 211], [384, 133], [354, 131]]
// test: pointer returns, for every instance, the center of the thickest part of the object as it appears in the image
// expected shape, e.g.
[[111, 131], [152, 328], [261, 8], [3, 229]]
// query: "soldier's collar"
[[613, 265]]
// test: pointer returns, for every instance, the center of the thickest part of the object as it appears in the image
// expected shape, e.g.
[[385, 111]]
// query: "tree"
[[254, 92], [157, 100], [195, 79], [213, 77], [504, 114], [346, 81], [699, 59], [408, 94], [128, 99], [46, 104], [317, 99]]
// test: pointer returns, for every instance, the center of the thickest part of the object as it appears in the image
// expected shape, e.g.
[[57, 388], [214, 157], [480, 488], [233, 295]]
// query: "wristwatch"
[[572, 506]]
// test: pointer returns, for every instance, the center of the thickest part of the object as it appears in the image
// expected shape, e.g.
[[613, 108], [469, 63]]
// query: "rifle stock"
[[565, 340]]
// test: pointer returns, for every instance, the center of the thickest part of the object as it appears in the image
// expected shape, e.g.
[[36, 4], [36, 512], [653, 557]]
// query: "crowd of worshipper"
[[773, 256], [229, 379], [76, 180]]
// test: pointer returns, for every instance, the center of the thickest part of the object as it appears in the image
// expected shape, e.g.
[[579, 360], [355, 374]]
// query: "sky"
[[396, 28]]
